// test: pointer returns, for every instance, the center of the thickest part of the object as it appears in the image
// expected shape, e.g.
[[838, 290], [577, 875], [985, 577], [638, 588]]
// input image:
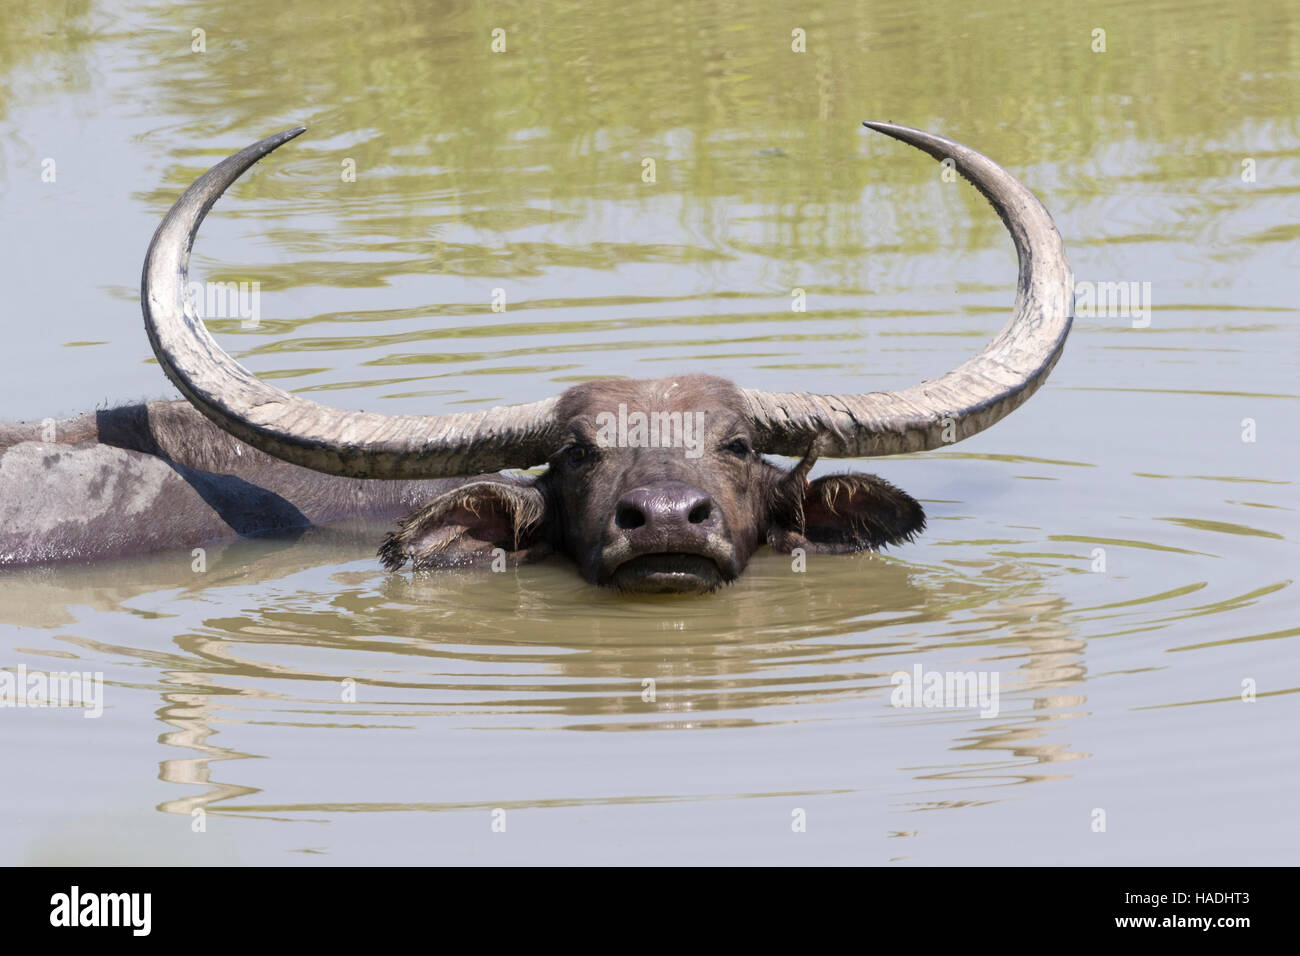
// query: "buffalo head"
[[657, 485]]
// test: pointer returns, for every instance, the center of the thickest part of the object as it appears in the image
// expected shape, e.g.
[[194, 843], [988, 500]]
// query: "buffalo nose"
[[666, 505]]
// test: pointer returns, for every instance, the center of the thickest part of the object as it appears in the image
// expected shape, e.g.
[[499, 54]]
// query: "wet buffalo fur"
[[149, 477]]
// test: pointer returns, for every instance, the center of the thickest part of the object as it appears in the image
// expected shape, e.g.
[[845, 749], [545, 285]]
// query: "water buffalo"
[[651, 486]]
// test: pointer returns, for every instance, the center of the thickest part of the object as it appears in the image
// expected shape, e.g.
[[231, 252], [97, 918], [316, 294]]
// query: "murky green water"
[[1116, 551]]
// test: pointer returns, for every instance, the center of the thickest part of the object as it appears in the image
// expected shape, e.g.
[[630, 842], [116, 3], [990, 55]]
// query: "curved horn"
[[977, 393], [352, 444]]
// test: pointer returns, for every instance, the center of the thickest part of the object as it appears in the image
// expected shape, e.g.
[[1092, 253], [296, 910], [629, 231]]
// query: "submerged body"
[[159, 475]]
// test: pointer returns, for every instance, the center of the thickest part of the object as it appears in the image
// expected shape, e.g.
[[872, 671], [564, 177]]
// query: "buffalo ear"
[[839, 514], [463, 527]]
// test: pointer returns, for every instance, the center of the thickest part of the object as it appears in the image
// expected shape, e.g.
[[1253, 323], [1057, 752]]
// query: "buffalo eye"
[[738, 446], [578, 454]]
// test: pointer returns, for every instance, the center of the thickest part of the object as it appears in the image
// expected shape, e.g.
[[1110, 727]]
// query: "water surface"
[[1115, 552]]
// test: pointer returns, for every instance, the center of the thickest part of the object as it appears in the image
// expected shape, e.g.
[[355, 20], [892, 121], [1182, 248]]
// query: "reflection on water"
[[1120, 553], [436, 646]]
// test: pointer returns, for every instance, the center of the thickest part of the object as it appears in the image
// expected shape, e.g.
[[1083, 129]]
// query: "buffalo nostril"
[[700, 513], [628, 517]]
